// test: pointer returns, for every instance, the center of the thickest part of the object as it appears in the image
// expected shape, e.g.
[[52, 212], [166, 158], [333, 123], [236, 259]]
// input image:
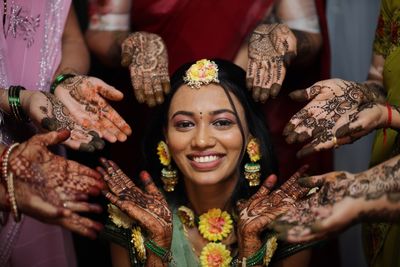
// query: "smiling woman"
[[211, 215]]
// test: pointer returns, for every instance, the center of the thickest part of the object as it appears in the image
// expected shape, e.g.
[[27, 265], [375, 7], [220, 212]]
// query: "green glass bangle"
[[58, 80], [164, 254], [257, 257], [15, 103]]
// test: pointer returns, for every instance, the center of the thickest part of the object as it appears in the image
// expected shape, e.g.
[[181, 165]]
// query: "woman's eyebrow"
[[183, 112], [219, 111]]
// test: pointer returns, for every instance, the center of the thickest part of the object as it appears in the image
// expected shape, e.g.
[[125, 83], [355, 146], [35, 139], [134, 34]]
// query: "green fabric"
[[181, 248], [382, 241]]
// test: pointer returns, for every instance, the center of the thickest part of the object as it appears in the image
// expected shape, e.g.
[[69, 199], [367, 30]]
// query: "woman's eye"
[[222, 123], [184, 124]]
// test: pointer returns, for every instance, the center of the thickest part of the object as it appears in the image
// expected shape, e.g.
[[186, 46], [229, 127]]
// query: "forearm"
[[106, 45], [75, 55]]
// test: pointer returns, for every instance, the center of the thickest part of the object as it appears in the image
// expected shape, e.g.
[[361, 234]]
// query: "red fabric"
[[199, 29]]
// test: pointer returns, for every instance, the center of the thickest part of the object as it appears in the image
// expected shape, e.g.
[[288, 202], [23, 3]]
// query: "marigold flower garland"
[[214, 225]]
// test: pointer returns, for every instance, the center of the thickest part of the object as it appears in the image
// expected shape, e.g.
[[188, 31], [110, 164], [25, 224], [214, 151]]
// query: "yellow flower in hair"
[[163, 153], [215, 255], [201, 73], [215, 225], [253, 150], [138, 243], [118, 217]]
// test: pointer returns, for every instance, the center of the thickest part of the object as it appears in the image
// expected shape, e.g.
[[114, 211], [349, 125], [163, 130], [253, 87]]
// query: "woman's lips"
[[205, 162]]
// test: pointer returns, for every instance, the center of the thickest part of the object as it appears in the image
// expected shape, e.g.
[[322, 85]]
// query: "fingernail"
[[288, 57], [305, 181], [342, 131], [305, 151], [288, 128], [298, 95], [303, 137], [291, 138], [86, 147], [98, 144], [94, 134], [275, 88]]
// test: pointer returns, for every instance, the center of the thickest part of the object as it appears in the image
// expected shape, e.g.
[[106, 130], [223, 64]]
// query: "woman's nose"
[[203, 137]]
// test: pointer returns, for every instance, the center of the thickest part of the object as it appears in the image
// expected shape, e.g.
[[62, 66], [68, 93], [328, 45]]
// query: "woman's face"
[[203, 134]]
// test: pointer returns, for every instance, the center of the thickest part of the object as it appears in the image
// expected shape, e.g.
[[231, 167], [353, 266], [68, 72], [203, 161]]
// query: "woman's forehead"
[[210, 97]]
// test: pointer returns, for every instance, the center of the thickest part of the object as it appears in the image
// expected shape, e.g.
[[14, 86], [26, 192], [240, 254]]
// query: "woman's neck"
[[204, 198]]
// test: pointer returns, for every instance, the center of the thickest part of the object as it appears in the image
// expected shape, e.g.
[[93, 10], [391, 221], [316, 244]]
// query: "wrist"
[[25, 98]]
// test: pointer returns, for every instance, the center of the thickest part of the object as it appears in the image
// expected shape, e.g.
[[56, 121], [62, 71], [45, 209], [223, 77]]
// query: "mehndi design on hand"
[[147, 58], [329, 209], [51, 114], [147, 207], [271, 48], [330, 101], [85, 97], [53, 189], [263, 207]]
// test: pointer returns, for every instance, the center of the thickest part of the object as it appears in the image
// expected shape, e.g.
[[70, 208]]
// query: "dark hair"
[[232, 79]]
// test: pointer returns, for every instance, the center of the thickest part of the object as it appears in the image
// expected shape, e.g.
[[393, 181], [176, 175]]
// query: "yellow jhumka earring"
[[168, 174], [252, 170]]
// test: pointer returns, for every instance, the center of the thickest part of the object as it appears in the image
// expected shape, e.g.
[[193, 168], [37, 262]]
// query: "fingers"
[[312, 181], [158, 90], [305, 94], [137, 83], [250, 74], [54, 137], [165, 83], [292, 188], [148, 183], [148, 91], [266, 187], [108, 92], [81, 225], [128, 182], [82, 207]]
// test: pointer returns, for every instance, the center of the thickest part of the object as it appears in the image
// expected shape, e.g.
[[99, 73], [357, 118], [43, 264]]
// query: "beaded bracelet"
[[164, 254], [58, 80], [15, 103], [9, 178]]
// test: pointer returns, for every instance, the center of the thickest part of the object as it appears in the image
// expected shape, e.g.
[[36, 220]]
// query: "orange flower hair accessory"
[[201, 73]]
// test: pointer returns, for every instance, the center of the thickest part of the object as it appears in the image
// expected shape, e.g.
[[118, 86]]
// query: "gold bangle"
[[9, 178]]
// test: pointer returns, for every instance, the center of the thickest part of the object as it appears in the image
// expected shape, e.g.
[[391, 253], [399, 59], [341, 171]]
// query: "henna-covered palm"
[[338, 202], [86, 99], [146, 55], [147, 207], [53, 189], [330, 100], [271, 47], [256, 213], [49, 114]]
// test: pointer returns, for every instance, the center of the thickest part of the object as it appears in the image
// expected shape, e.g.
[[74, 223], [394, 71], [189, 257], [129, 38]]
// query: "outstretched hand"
[[343, 198], [256, 213], [146, 207], [50, 114], [330, 100], [86, 99], [271, 48], [146, 56], [52, 189]]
